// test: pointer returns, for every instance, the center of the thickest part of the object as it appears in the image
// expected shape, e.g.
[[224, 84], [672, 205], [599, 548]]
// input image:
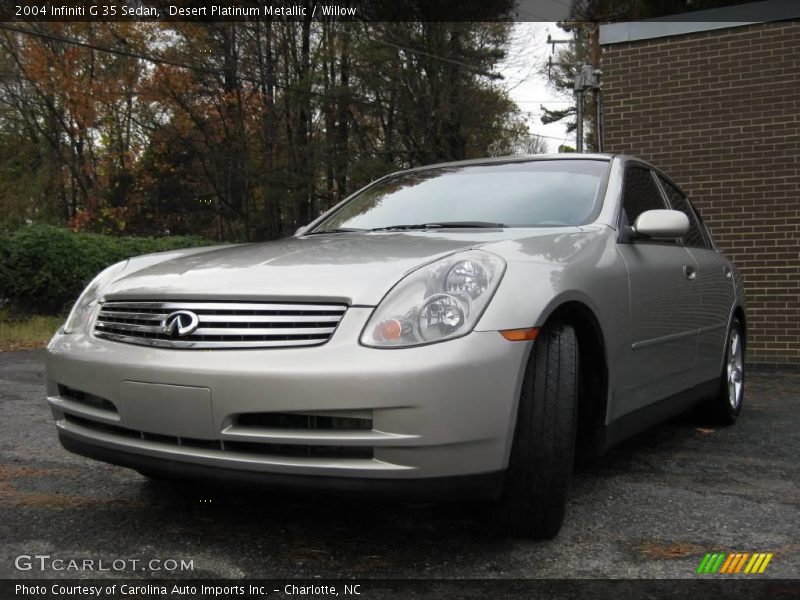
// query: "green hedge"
[[43, 268]]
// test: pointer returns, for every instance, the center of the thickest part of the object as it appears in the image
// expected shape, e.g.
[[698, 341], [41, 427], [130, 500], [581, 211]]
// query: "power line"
[[537, 18], [160, 60], [170, 62], [564, 4], [195, 68], [434, 56], [550, 137], [544, 101]]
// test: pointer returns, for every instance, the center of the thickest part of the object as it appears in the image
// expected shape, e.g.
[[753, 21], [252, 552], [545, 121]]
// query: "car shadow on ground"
[[325, 517]]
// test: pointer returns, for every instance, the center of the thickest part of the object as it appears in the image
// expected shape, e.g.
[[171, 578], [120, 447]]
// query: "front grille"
[[226, 446], [219, 324]]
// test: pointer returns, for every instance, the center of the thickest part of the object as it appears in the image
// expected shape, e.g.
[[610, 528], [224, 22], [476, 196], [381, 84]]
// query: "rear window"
[[545, 193]]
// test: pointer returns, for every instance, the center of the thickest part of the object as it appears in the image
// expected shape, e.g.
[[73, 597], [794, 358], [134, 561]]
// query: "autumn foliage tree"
[[236, 130]]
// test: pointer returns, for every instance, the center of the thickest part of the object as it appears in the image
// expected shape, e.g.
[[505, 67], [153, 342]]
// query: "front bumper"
[[480, 485], [438, 411]]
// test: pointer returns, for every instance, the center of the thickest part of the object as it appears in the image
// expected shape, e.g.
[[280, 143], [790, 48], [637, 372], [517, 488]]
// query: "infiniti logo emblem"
[[180, 322]]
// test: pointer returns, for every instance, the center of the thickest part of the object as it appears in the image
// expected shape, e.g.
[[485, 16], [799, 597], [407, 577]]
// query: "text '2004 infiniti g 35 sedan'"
[[458, 329]]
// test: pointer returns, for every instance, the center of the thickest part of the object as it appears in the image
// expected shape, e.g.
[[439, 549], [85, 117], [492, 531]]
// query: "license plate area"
[[173, 410]]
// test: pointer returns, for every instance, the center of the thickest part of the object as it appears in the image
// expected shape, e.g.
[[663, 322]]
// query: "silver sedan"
[[462, 329]]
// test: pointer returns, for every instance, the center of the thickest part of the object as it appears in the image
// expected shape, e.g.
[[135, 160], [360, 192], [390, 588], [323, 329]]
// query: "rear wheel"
[[534, 497], [726, 406]]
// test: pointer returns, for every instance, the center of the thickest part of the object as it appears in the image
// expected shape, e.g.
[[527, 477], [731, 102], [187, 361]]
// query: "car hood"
[[353, 268]]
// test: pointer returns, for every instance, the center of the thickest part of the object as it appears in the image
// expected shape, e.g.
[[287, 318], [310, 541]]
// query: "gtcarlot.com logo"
[[45, 562], [721, 563]]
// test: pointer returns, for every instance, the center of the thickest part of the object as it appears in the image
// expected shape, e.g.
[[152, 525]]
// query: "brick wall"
[[719, 112]]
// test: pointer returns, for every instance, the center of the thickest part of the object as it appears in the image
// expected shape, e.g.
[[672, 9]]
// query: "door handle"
[[689, 272]]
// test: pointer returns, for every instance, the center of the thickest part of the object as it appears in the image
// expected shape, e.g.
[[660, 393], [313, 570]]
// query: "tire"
[[726, 406], [537, 481]]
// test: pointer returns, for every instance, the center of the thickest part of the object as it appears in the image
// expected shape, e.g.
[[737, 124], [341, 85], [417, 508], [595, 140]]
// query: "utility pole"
[[598, 120], [587, 77], [579, 109], [579, 85]]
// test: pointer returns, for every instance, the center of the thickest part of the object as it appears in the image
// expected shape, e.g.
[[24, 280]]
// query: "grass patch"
[[28, 333]]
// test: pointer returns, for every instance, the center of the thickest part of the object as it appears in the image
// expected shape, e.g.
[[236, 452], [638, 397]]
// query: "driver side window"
[[678, 201], [639, 194]]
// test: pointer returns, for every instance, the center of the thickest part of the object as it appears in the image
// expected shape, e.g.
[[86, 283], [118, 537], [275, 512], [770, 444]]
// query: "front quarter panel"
[[545, 273]]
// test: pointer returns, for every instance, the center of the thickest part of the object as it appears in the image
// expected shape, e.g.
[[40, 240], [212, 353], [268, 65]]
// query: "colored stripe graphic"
[[703, 563], [711, 563], [759, 562], [718, 564], [764, 564], [729, 564], [741, 562], [752, 562]]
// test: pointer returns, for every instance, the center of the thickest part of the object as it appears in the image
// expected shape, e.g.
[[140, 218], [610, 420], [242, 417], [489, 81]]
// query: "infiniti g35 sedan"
[[454, 330]]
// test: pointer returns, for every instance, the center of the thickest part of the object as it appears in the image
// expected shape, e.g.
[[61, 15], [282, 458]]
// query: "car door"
[[716, 286], [664, 297]]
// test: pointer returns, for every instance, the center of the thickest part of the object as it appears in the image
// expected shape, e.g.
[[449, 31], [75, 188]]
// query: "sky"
[[524, 72]]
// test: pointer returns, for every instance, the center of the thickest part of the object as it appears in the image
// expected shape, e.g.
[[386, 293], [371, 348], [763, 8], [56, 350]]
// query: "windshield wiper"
[[443, 225], [336, 230]]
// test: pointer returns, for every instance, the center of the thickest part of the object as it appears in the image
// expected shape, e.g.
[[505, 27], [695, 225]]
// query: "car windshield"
[[543, 193]]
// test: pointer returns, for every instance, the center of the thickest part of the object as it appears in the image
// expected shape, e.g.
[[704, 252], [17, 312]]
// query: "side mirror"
[[300, 230], [661, 224]]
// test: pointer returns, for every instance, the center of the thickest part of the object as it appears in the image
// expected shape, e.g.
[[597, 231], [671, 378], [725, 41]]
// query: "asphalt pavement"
[[650, 508]]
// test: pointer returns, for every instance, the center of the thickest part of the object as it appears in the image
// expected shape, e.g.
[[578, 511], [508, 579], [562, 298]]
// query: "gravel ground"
[[651, 508]]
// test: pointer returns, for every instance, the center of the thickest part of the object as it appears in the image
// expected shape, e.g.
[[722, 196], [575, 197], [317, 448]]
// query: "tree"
[[240, 130], [78, 107]]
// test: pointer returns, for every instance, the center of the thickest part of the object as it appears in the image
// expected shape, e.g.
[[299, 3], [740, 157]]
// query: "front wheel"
[[534, 497], [726, 406]]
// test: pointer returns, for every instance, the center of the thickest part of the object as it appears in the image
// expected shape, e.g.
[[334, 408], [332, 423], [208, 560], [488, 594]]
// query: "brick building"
[[716, 105]]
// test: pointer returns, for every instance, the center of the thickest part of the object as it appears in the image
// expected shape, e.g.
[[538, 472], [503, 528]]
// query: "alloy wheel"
[[735, 369]]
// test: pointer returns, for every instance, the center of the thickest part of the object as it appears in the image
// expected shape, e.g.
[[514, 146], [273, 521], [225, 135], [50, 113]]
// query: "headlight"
[[81, 314], [437, 302]]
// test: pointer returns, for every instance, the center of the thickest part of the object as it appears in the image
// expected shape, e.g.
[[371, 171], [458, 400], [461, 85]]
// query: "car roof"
[[515, 158]]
